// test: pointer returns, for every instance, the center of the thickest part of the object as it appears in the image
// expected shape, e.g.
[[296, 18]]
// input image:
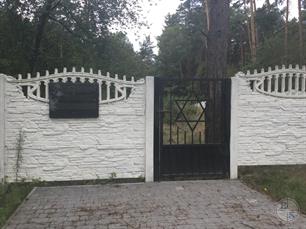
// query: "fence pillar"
[[149, 155], [234, 127], [2, 126]]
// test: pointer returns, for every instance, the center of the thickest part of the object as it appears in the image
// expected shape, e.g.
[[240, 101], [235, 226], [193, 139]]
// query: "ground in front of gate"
[[185, 204]]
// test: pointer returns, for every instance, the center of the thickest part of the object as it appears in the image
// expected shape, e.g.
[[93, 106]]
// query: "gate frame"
[[232, 125], [234, 119], [2, 127], [149, 128]]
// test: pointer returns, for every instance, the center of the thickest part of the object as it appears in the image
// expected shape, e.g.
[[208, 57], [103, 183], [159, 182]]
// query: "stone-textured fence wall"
[[34, 146], [269, 118], [268, 126]]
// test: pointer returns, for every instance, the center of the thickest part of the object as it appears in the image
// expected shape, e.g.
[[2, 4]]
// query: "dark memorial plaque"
[[73, 100]]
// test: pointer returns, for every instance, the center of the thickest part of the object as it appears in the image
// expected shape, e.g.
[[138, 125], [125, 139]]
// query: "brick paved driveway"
[[187, 204]]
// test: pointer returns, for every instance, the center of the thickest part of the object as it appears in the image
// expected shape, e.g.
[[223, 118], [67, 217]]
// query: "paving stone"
[[221, 204]]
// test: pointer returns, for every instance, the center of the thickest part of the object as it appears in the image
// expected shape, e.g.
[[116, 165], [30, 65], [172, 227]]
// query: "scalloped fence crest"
[[111, 89], [280, 82]]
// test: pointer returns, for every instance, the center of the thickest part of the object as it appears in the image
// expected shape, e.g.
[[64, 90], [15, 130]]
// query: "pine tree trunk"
[[286, 34], [253, 31], [248, 30], [301, 46], [217, 38], [217, 44]]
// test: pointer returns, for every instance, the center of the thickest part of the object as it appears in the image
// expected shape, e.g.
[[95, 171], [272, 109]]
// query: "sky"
[[156, 12], [155, 15]]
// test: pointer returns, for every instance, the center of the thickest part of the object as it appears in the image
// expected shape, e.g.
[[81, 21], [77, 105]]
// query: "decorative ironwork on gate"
[[184, 113], [111, 89]]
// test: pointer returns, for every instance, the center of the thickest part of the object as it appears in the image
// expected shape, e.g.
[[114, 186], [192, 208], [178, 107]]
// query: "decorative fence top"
[[279, 82], [110, 88]]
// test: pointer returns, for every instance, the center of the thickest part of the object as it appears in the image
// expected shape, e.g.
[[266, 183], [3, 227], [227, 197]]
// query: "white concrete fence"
[[113, 145], [268, 118], [268, 126]]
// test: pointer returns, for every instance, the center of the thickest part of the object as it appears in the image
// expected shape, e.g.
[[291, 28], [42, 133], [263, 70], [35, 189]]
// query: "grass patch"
[[277, 181], [11, 196]]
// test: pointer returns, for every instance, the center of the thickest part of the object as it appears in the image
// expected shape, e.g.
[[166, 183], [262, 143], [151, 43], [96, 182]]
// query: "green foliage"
[[78, 33], [173, 50], [74, 34], [147, 56], [182, 46], [238, 35], [15, 42], [269, 20], [146, 51], [270, 38], [182, 43]]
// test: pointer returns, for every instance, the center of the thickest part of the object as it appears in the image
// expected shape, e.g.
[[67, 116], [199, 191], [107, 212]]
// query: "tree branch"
[[62, 24], [70, 30], [56, 4], [204, 34]]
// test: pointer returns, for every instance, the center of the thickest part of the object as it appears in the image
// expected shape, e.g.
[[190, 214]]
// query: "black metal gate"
[[192, 128]]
